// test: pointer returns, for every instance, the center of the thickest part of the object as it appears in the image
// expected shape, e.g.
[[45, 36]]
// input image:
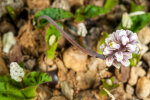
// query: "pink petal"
[[107, 51], [109, 61], [122, 33], [131, 47], [127, 55], [119, 56], [124, 40], [102, 47], [125, 62], [115, 45]]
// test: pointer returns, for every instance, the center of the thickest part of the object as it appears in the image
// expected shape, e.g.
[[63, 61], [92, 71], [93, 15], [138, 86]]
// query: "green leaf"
[[110, 4], [135, 59], [103, 92], [107, 86], [11, 12], [26, 90], [139, 21], [54, 13], [29, 92], [36, 78], [89, 11], [135, 7], [52, 49], [103, 36], [9, 90]]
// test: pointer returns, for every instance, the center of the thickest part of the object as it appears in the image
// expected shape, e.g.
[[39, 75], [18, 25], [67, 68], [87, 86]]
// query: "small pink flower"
[[119, 47]]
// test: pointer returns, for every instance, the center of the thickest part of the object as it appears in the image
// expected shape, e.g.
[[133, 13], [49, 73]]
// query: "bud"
[[82, 31], [52, 40], [126, 21]]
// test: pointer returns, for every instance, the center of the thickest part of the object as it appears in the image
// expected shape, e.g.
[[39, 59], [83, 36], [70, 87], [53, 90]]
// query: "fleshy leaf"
[[138, 22], [89, 12], [110, 4], [135, 59], [52, 49], [36, 78], [135, 7], [107, 86], [54, 13], [11, 12], [26, 90]]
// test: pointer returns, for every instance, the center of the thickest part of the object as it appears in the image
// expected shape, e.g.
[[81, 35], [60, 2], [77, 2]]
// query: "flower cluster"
[[16, 72], [119, 47]]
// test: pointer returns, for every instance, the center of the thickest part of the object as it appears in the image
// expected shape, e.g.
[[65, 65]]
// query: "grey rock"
[[66, 90]]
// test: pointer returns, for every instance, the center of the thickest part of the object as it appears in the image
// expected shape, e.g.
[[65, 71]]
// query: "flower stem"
[[89, 52]]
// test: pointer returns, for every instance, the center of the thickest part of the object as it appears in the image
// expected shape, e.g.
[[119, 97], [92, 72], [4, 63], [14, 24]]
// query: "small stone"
[[58, 98], [75, 59], [146, 57], [30, 64], [129, 89], [147, 99], [97, 2], [144, 35], [75, 2], [43, 93], [3, 67], [143, 88], [85, 80], [148, 74], [134, 74], [38, 4], [66, 90], [8, 41], [143, 48], [61, 4], [96, 64]]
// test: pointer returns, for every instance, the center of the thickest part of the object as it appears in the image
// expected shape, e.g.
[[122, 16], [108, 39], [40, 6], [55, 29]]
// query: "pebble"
[[58, 98], [144, 35], [146, 57], [8, 41], [66, 90], [61, 4], [143, 88], [75, 59], [134, 74]]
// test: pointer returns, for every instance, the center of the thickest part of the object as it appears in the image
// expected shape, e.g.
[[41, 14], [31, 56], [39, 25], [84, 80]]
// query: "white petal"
[[133, 37], [119, 56], [124, 40], [125, 62], [109, 61], [107, 51], [116, 64], [131, 47]]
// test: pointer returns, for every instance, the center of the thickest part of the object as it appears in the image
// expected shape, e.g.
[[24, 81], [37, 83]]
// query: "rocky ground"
[[76, 76]]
